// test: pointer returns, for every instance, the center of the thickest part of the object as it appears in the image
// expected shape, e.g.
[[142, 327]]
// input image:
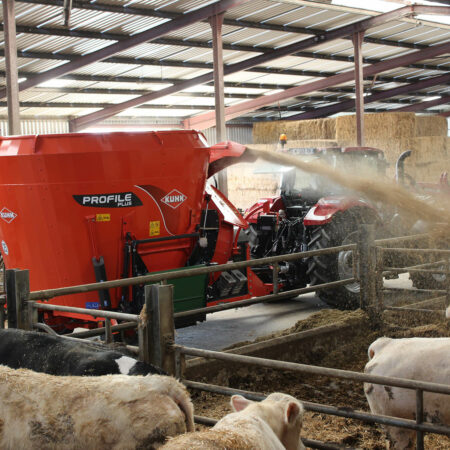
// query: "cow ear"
[[238, 403], [292, 412]]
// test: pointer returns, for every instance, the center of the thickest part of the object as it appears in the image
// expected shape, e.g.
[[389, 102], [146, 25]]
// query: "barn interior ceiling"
[[153, 59]]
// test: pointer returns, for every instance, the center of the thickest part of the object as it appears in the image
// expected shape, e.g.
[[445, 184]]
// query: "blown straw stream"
[[375, 189]]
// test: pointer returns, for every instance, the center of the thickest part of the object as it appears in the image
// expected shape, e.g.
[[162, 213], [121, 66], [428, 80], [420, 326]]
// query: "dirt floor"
[[341, 393]]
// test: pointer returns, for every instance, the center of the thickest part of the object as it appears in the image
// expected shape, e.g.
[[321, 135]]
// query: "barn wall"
[[35, 126], [241, 134]]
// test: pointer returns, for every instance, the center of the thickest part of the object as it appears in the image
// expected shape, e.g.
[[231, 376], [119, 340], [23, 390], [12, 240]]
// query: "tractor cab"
[[367, 161]]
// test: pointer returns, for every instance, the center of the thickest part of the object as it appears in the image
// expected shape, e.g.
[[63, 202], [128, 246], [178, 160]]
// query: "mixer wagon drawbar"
[[80, 208]]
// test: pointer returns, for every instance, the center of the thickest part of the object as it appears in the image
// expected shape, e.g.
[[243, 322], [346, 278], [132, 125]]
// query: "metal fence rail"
[[155, 278], [325, 409], [419, 386]]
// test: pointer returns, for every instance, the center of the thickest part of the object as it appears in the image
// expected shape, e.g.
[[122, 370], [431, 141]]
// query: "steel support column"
[[359, 87], [216, 23], [12, 85]]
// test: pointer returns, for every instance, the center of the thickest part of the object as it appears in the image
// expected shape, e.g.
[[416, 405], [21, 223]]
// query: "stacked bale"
[[246, 187], [269, 132], [392, 132]]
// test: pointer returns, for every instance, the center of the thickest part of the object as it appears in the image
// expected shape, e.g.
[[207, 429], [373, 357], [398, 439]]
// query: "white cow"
[[424, 359], [273, 424], [40, 411]]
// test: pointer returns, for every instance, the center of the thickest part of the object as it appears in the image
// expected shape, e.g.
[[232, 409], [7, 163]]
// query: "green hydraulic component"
[[188, 292]]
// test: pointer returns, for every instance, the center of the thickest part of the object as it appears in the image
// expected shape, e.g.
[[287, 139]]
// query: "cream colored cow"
[[424, 359], [40, 411], [273, 424]]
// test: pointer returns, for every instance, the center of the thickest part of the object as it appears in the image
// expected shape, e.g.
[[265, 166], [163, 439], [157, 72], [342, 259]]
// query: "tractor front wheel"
[[335, 266]]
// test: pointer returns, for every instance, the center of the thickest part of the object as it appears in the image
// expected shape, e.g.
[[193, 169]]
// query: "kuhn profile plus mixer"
[[80, 208]]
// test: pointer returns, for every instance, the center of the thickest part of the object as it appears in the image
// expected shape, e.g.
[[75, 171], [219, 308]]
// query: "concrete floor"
[[225, 328]]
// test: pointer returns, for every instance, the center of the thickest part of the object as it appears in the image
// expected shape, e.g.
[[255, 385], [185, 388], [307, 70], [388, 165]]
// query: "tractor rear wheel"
[[342, 230]]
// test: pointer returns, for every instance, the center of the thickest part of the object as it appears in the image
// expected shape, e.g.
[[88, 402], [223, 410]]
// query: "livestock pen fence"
[[155, 324]]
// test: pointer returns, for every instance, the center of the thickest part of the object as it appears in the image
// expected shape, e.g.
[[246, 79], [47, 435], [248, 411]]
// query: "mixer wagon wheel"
[[342, 230]]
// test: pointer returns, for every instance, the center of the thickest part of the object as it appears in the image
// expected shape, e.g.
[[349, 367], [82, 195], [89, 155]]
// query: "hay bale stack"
[[246, 187], [431, 126], [269, 132], [430, 157], [391, 132], [385, 126]]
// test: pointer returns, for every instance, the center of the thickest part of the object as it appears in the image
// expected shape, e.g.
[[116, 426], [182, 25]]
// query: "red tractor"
[[313, 213]]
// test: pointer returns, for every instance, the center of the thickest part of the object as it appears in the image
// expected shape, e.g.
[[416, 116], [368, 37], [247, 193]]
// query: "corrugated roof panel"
[[202, 30], [285, 13], [144, 112], [184, 5], [92, 98], [35, 14], [35, 65], [149, 50]]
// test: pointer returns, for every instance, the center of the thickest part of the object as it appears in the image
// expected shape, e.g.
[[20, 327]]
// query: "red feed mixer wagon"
[[81, 208]]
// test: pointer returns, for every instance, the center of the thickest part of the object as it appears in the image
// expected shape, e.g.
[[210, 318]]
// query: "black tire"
[[325, 268]]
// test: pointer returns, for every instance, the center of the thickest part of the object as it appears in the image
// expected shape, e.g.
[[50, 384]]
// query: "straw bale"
[[377, 126], [429, 149], [431, 125], [431, 172], [312, 143], [269, 132], [246, 188]]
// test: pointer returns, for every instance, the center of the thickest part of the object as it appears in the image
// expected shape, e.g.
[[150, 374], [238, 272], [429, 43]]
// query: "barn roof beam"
[[238, 84], [133, 10], [57, 104], [145, 36], [444, 100], [184, 43], [274, 109], [313, 98], [206, 120], [374, 97], [252, 62], [203, 65]]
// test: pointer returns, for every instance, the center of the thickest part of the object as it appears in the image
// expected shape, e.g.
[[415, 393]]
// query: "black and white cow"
[[58, 356]]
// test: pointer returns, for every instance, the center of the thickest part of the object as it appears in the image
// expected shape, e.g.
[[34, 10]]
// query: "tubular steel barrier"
[[25, 309], [442, 268], [419, 386], [154, 278]]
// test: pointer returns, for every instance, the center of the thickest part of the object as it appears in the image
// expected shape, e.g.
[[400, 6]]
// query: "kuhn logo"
[[174, 199], [7, 215]]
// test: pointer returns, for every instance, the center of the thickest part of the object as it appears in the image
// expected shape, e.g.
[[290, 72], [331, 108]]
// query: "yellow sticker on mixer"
[[103, 217], [155, 228]]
